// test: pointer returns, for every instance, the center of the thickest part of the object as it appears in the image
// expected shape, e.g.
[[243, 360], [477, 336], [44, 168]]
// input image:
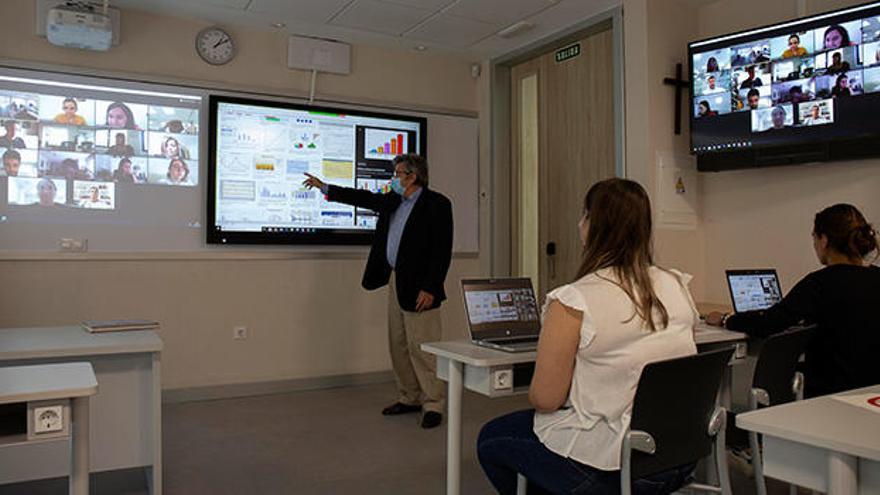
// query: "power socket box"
[[48, 419]]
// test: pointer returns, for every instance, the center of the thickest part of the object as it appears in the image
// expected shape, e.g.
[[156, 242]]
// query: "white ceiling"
[[462, 27]]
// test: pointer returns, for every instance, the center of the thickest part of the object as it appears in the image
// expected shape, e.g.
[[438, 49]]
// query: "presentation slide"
[[96, 153], [261, 152]]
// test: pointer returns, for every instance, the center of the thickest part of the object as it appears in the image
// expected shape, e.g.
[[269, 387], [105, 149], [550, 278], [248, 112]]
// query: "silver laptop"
[[502, 313], [753, 290]]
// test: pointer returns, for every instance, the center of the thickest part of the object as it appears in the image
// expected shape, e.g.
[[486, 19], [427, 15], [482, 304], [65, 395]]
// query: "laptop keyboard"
[[527, 340]]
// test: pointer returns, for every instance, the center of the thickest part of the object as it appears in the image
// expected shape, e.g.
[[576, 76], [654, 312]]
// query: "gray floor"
[[321, 442]]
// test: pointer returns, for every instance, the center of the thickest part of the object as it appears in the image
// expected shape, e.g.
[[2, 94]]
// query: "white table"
[[74, 381], [126, 414], [822, 444], [493, 373]]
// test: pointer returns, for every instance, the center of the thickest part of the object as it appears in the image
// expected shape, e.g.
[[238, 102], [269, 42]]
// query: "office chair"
[[690, 427], [675, 421], [776, 381]]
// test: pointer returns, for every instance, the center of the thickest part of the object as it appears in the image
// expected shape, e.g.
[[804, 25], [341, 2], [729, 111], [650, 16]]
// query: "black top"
[[425, 250], [844, 301]]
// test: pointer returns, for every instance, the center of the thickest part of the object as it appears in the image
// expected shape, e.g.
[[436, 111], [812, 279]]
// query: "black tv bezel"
[[326, 238], [792, 153]]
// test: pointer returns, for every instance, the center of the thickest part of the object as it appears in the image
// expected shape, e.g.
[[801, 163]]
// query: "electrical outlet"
[[71, 245], [48, 419], [239, 333], [502, 379]]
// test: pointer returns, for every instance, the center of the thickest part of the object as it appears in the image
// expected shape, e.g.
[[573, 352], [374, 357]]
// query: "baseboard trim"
[[234, 390]]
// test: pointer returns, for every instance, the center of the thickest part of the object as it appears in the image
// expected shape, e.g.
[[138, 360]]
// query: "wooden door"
[[575, 149]]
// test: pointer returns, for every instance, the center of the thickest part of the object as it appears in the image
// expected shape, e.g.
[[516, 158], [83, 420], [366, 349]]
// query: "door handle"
[[551, 259]]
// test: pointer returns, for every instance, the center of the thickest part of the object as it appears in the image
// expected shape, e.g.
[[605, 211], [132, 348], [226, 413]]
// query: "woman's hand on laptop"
[[716, 319]]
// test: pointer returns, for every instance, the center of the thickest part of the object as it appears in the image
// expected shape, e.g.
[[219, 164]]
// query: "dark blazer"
[[425, 250]]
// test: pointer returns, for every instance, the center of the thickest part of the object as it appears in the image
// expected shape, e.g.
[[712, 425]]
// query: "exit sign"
[[570, 51]]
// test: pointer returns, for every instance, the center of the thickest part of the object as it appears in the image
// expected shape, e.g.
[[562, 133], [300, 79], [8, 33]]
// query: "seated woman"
[[842, 299], [620, 313]]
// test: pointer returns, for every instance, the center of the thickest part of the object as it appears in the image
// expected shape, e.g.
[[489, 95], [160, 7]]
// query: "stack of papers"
[[96, 326]]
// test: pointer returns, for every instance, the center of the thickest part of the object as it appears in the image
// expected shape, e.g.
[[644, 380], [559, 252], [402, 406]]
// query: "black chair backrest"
[[777, 363], [674, 402]]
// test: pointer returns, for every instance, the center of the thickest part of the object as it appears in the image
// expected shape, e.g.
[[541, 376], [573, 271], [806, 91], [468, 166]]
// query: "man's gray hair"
[[414, 164]]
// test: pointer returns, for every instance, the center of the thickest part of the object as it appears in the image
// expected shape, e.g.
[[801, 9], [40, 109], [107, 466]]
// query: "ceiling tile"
[[382, 17], [563, 15], [300, 10], [432, 5], [230, 4], [498, 11], [452, 31]]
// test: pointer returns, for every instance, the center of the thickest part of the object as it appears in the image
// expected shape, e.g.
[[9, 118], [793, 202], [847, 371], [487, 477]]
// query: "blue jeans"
[[507, 445]]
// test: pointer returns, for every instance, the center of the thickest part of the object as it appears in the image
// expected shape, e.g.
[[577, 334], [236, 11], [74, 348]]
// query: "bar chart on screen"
[[384, 144]]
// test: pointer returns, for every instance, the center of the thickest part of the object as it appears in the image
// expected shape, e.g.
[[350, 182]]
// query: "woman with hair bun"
[[843, 299]]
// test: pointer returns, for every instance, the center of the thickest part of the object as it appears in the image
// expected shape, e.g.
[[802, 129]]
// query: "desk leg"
[[453, 429], [154, 480], [843, 477], [79, 447]]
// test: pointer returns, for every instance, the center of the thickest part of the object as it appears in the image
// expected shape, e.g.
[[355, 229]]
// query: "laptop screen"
[[501, 308], [753, 290]]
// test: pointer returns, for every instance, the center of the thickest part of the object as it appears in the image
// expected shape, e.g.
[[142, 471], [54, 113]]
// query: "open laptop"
[[753, 290], [502, 313]]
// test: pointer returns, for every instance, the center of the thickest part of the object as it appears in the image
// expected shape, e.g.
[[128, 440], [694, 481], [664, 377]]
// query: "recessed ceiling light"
[[278, 25], [515, 29], [420, 48]]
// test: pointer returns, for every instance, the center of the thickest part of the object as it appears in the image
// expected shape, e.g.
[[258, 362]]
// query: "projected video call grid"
[[793, 80], [64, 150], [262, 154]]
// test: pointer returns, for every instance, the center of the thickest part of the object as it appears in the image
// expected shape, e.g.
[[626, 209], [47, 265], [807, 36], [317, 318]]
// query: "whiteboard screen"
[[260, 152]]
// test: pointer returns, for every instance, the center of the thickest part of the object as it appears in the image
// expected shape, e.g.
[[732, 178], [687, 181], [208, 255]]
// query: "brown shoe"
[[400, 408]]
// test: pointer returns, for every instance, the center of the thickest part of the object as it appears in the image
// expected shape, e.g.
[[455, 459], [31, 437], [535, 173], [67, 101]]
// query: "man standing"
[[411, 253]]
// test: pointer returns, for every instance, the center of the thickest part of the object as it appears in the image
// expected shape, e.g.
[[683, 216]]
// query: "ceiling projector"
[[77, 27]]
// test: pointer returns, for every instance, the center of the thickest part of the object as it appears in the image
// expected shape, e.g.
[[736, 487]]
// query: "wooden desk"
[[74, 381], [494, 373], [822, 443], [126, 414]]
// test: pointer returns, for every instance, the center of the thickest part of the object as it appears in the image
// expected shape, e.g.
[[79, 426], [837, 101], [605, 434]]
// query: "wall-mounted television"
[[800, 91], [259, 151]]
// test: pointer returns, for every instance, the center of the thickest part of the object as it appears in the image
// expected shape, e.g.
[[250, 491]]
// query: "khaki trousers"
[[415, 371]]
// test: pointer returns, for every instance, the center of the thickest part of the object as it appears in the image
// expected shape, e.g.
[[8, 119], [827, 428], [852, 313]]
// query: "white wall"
[[307, 317]]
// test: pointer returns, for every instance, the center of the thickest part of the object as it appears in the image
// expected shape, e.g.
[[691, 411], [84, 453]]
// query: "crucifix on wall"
[[680, 84]]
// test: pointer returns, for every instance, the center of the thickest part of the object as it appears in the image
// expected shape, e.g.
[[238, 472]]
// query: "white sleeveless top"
[[614, 347]]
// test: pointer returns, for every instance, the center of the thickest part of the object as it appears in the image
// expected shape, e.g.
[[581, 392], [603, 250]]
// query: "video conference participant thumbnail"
[[711, 62], [775, 118], [792, 45], [752, 76], [872, 80], [19, 163], [94, 195], [750, 53], [839, 35], [45, 191], [840, 85], [794, 91], [816, 113]]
